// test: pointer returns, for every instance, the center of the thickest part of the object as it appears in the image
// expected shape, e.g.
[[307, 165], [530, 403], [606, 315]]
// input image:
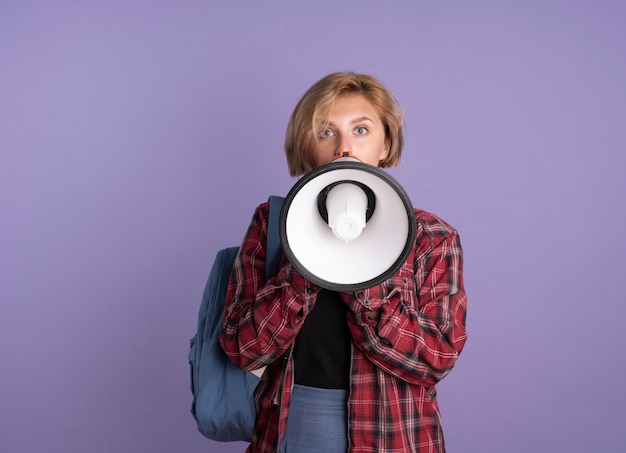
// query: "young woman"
[[347, 371]]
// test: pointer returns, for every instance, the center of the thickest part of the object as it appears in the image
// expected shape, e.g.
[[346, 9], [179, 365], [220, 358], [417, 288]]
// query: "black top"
[[322, 348]]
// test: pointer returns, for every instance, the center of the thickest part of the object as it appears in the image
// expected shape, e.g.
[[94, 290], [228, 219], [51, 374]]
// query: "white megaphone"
[[347, 225]]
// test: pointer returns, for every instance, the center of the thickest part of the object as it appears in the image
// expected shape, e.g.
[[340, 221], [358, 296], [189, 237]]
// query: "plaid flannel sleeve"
[[420, 333], [262, 319]]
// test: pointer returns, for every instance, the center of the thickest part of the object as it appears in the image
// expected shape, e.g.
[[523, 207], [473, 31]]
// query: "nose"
[[343, 145]]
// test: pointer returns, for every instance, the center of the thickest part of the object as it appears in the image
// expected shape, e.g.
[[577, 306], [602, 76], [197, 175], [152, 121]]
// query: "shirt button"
[[359, 295], [366, 302], [309, 290], [288, 325]]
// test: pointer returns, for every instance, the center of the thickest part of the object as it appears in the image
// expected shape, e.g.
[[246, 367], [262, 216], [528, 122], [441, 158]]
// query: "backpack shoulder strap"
[[274, 249]]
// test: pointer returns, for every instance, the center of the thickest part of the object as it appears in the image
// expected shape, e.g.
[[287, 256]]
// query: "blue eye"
[[360, 130], [326, 133]]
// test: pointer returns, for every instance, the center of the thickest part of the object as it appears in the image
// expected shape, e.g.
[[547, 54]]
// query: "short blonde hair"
[[317, 102]]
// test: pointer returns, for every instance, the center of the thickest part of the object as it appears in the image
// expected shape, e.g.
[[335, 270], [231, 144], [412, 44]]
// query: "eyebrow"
[[363, 118]]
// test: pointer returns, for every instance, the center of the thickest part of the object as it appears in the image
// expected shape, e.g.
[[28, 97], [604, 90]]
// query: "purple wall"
[[131, 132]]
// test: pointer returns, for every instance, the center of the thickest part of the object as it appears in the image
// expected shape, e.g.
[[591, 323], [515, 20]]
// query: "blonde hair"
[[316, 104]]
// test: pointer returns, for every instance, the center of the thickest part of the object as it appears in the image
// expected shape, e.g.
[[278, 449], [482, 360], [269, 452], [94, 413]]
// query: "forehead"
[[350, 106]]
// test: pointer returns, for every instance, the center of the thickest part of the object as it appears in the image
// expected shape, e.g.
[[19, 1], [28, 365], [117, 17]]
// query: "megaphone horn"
[[347, 226]]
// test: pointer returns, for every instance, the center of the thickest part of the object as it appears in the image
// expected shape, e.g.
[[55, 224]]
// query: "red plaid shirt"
[[396, 360]]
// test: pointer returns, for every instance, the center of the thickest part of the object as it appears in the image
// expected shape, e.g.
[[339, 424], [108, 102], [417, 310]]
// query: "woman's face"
[[352, 125]]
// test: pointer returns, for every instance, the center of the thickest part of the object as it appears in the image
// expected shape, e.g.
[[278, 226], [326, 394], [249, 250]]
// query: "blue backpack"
[[223, 395]]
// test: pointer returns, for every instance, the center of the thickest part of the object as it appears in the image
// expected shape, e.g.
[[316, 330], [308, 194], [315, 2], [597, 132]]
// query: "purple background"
[[137, 137]]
